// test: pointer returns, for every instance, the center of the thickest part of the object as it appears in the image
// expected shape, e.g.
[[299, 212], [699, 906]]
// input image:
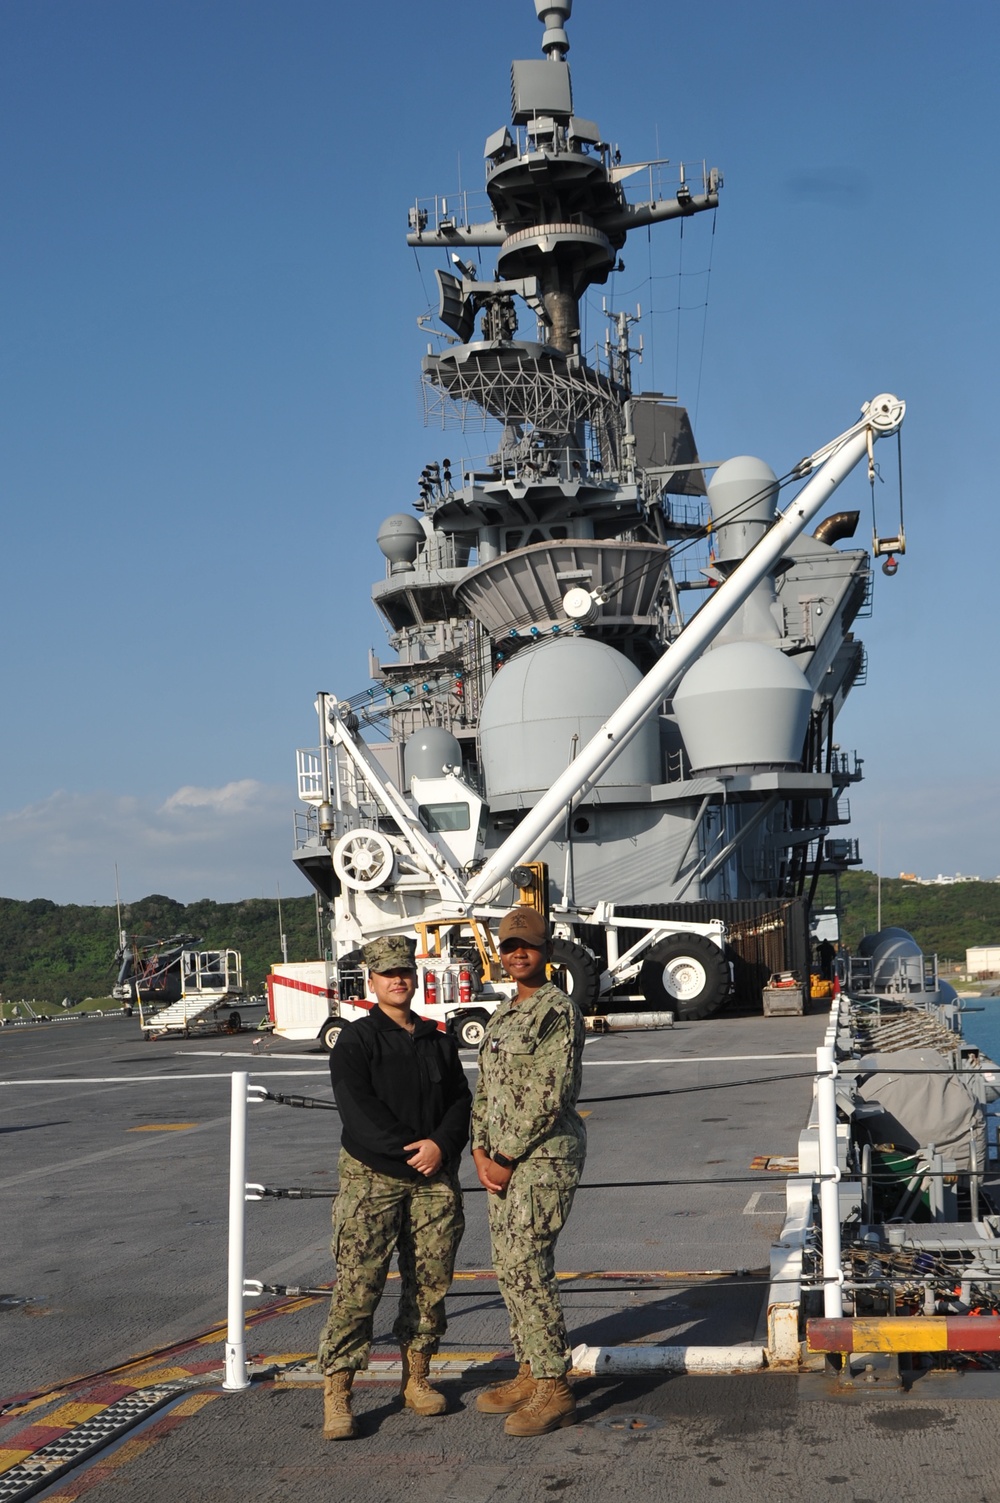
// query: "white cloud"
[[224, 843], [233, 798]]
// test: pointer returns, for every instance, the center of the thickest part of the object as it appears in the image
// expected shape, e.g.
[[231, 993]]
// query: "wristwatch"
[[504, 1161]]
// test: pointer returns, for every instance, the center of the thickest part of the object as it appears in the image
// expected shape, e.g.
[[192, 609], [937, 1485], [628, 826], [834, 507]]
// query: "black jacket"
[[393, 1087]]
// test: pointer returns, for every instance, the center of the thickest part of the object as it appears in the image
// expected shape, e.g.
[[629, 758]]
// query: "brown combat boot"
[[338, 1421], [504, 1398], [417, 1393], [550, 1406]]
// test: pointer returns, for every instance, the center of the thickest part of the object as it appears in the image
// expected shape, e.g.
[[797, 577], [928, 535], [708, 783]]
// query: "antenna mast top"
[[553, 15]]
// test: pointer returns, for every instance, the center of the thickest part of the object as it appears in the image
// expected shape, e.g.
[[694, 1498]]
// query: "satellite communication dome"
[[896, 958], [741, 494], [430, 753], [400, 538], [544, 697], [869, 943], [743, 705]]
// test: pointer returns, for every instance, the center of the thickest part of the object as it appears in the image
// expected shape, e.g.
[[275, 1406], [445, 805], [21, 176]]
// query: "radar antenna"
[[553, 16]]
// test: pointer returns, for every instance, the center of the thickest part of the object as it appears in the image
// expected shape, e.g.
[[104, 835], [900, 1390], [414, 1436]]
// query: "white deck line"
[[699, 1059], [69, 1080], [678, 1059]]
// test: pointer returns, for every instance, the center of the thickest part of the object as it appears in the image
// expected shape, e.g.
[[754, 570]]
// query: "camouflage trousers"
[[524, 1224], [375, 1215]]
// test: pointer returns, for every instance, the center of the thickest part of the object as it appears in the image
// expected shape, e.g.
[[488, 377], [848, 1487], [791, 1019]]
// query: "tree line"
[[945, 921], [50, 950], [54, 950]]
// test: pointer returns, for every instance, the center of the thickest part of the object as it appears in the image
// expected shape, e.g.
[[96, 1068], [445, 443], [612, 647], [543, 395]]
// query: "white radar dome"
[[400, 538], [742, 495], [547, 695], [743, 705], [430, 753]]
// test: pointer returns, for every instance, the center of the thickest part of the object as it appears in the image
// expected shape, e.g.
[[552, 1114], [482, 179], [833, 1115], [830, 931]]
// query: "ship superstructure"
[[527, 597]]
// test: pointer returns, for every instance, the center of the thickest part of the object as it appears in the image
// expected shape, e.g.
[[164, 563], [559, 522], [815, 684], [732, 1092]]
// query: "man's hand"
[[424, 1155], [491, 1176]]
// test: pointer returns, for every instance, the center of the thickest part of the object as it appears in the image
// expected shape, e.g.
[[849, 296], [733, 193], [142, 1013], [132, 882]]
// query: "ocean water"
[[983, 1028]]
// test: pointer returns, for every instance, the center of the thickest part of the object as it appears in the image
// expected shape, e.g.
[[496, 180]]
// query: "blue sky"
[[210, 359]]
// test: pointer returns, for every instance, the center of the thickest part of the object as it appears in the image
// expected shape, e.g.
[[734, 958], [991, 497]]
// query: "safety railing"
[[240, 1288], [812, 1262]]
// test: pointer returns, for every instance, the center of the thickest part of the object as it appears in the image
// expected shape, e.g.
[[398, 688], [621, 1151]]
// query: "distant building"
[[983, 962]]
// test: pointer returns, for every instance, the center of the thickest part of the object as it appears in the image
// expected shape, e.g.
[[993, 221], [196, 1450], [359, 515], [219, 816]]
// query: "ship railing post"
[[236, 1353], [829, 1189]]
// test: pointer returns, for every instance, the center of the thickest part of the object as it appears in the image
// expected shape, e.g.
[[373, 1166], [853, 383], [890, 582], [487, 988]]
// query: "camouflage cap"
[[526, 924], [393, 952]]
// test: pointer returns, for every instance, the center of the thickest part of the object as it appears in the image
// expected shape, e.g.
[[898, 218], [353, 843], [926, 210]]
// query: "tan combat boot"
[[417, 1392], [338, 1421], [550, 1406], [504, 1398]]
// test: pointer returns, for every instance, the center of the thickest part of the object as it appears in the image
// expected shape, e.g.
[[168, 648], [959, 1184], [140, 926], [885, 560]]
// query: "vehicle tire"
[[582, 972], [685, 974], [470, 1029], [330, 1032], [234, 1022]]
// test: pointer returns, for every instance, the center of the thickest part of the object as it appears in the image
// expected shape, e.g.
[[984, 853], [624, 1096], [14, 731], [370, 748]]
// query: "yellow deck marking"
[[162, 1127], [162, 1375], [11, 1458], [583, 1114], [194, 1402], [73, 1414]]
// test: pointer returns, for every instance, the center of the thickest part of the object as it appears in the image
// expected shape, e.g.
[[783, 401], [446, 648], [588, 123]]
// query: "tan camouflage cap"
[[393, 952], [526, 924]]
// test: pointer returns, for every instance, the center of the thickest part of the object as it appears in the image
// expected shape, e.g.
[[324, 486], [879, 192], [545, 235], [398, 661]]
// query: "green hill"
[[943, 920], [49, 951]]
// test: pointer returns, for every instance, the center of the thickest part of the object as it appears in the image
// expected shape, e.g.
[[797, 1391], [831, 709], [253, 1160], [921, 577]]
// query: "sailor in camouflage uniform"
[[529, 1146], [404, 1107]]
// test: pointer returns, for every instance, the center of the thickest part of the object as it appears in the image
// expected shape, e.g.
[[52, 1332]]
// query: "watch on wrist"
[[503, 1161]]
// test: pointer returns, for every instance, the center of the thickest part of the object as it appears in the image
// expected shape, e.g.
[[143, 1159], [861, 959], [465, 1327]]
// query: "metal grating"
[[53, 1460]]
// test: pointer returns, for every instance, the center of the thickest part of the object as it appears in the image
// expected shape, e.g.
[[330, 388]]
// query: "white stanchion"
[[829, 1189], [236, 1351]]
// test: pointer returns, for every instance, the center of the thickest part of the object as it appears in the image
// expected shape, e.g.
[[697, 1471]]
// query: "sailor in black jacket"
[[404, 1104]]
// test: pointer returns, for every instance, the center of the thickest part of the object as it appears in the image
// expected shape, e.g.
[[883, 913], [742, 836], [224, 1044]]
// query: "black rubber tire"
[[330, 1032], [583, 974], [680, 993], [470, 1028]]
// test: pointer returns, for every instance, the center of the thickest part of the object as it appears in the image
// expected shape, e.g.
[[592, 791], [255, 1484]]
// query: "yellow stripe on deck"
[[73, 1414], [11, 1458], [194, 1402], [162, 1127]]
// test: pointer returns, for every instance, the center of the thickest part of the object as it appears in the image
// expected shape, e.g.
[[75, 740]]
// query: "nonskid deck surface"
[[115, 1185], [115, 1239]]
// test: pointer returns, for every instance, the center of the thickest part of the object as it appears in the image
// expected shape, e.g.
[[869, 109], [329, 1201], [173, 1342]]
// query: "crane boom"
[[881, 417]]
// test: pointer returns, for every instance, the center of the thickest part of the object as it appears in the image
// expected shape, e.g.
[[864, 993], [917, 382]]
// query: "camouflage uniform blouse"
[[530, 1072]]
